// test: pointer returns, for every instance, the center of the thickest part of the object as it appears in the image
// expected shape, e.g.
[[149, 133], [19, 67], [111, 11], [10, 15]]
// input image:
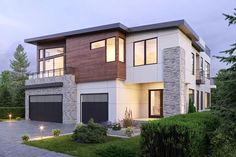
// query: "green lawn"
[[64, 144]]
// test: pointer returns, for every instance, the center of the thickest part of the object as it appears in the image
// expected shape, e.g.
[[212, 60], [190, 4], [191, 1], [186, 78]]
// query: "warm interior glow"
[[139, 53], [98, 44], [110, 50], [151, 51]]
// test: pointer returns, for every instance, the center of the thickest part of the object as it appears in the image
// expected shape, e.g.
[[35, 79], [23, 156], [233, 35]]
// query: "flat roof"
[[180, 24]]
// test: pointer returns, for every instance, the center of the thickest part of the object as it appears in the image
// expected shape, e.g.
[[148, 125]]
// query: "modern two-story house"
[[152, 70]]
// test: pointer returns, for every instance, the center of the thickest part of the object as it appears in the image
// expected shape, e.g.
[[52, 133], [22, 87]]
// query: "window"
[[50, 65], [207, 66], [155, 103], [53, 52], [201, 66], [145, 52], [191, 95], [193, 67], [41, 52], [207, 100], [201, 100], [121, 50], [110, 50], [198, 101], [151, 51], [139, 53], [97, 44]]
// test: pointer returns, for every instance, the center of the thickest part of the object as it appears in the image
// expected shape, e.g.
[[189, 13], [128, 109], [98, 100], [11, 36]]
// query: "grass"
[[64, 144]]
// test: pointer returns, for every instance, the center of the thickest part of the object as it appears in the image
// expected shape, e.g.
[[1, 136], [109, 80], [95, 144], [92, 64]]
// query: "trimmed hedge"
[[178, 136], [15, 111]]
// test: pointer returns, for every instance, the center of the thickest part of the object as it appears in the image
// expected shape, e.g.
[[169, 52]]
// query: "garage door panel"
[[42, 108], [94, 106]]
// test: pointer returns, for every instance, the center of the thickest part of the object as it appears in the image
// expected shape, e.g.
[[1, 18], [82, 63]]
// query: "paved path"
[[10, 138]]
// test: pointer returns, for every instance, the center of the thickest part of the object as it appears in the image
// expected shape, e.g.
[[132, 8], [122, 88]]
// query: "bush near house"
[[178, 136], [14, 111], [90, 133]]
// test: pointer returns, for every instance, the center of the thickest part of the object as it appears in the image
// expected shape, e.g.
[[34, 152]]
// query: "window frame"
[[161, 104], [145, 52], [208, 69], [106, 49], [193, 94], [50, 57], [193, 64], [124, 54], [97, 41]]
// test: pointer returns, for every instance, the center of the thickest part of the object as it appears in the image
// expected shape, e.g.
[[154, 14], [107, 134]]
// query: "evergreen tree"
[[19, 66], [5, 89]]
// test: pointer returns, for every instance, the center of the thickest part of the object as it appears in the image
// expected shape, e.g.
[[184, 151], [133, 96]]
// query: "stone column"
[[174, 79]]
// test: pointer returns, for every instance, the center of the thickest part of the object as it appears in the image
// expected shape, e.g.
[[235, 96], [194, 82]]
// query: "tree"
[[224, 139], [5, 89], [19, 67]]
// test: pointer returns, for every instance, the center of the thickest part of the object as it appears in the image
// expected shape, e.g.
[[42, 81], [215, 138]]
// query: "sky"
[[22, 19]]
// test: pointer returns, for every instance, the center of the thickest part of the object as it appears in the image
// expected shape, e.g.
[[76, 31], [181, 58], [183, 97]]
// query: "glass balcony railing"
[[200, 76], [51, 73]]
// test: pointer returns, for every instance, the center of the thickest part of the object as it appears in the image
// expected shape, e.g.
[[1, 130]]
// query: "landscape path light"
[[10, 116], [41, 128]]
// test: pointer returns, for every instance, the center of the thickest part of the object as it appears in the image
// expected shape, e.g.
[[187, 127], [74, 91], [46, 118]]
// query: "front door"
[[155, 103]]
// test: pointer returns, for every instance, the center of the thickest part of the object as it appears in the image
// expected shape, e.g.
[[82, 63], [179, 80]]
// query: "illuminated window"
[[145, 52], [151, 51], [139, 53], [41, 54], [97, 44], [41, 66], [191, 95], [53, 52], [207, 100], [110, 50], [121, 49]]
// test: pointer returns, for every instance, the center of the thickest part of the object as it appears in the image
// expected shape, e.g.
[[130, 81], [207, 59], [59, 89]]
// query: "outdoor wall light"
[[10, 116], [41, 128]]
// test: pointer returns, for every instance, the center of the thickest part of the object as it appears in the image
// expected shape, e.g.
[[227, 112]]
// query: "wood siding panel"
[[91, 65]]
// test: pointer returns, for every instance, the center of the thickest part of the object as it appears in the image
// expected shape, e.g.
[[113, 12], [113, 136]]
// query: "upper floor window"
[[121, 50], [53, 51], [193, 63], [207, 67], [145, 52], [201, 64], [110, 50], [41, 54], [97, 44]]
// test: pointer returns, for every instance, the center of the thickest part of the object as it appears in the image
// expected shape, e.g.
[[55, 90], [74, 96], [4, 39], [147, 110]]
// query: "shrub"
[[116, 126], [15, 111], [56, 132], [129, 131], [25, 138], [115, 150], [18, 118], [90, 133], [128, 120], [178, 136], [191, 107]]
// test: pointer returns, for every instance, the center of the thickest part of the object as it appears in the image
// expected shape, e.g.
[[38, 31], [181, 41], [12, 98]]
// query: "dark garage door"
[[94, 106], [46, 108]]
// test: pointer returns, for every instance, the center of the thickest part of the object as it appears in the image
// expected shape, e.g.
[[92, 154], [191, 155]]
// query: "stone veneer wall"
[[68, 90], [174, 81]]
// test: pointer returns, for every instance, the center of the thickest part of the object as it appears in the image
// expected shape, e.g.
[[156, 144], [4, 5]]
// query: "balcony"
[[51, 73], [200, 76]]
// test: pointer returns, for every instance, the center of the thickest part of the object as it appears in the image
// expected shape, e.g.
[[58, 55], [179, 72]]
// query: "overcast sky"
[[21, 19]]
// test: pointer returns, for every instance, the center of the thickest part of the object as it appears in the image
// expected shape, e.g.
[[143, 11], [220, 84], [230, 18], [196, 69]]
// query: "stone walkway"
[[10, 138]]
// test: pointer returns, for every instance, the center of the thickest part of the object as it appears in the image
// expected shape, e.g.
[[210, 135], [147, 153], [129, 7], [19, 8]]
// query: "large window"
[[207, 67], [51, 62], [145, 52], [121, 50], [193, 63], [155, 103], [110, 50]]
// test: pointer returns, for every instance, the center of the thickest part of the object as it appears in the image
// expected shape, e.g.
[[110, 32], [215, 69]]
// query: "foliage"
[[64, 144], [56, 132], [116, 126], [178, 136], [115, 150], [18, 118], [129, 131], [128, 120], [14, 111], [90, 133], [191, 107], [5, 89], [224, 140], [25, 138]]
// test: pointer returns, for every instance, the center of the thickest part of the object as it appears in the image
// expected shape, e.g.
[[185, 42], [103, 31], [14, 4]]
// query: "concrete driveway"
[[10, 138]]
